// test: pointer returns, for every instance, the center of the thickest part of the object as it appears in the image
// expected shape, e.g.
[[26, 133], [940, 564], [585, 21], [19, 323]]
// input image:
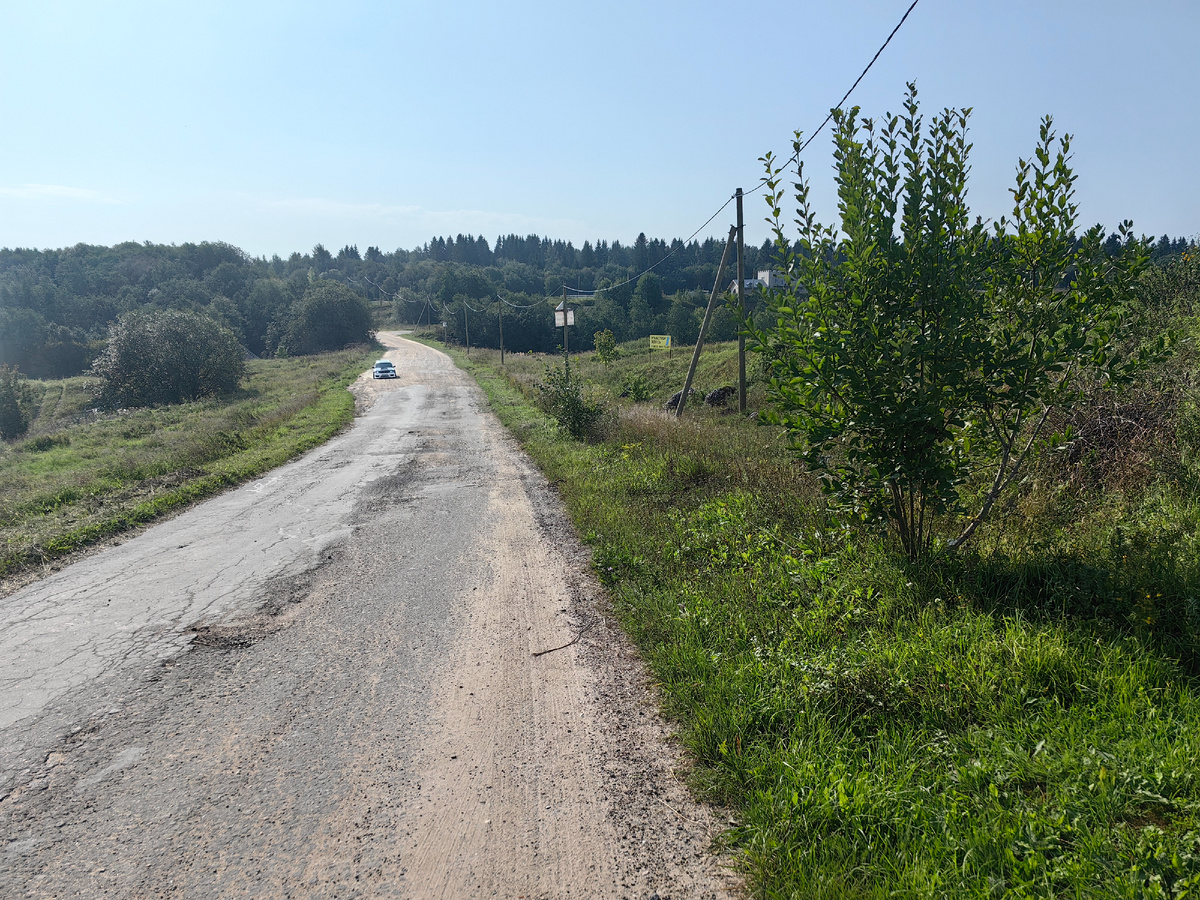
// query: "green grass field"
[[82, 474], [1019, 720]]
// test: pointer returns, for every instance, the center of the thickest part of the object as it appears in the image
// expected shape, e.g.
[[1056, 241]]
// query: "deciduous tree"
[[913, 348], [329, 316], [158, 356]]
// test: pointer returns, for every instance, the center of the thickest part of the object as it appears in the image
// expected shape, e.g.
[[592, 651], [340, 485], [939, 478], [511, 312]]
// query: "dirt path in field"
[[327, 683]]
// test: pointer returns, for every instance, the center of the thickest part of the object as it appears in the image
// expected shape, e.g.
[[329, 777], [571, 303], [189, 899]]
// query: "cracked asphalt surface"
[[324, 684]]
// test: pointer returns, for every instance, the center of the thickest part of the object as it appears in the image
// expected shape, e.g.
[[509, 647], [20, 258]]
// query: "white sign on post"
[[558, 318]]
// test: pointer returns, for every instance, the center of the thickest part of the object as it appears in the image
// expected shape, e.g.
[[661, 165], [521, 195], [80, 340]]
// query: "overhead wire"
[[794, 158], [761, 184], [517, 306]]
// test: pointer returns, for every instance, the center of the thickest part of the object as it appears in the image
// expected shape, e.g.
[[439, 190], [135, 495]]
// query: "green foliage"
[[264, 312], [649, 292], [636, 387], [56, 305], [23, 330], [16, 403], [564, 398], [605, 343], [913, 349], [46, 442], [168, 356], [683, 320], [643, 316], [329, 316]]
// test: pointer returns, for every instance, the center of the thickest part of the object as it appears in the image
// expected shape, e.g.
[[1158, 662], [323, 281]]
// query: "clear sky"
[[275, 126]]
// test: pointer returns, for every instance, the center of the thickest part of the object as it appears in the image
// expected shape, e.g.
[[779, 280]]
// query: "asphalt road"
[[325, 684]]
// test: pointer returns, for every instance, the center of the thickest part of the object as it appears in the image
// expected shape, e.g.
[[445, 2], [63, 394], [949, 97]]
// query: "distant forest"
[[56, 306]]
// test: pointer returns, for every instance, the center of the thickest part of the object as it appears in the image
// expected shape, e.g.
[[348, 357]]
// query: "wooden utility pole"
[[467, 327], [741, 284], [712, 304], [566, 340], [500, 310]]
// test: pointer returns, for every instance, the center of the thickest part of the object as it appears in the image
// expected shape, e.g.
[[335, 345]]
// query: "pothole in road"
[[282, 596], [388, 491], [228, 637]]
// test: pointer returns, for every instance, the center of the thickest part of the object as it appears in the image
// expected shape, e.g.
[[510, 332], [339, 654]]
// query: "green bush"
[[606, 346], [329, 316], [46, 442], [563, 399], [914, 348], [636, 387], [157, 356], [16, 403]]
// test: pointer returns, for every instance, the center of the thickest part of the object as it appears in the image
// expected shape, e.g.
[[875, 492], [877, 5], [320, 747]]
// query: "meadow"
[[1017, 719], [83, 474]]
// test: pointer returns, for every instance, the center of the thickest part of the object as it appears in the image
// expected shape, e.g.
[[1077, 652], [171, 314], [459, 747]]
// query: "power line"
[[795, 156], [516, 306], [373, 284], [675, 250]]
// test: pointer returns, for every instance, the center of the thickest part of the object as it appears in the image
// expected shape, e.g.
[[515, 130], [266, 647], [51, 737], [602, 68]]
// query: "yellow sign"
[[660, 342]]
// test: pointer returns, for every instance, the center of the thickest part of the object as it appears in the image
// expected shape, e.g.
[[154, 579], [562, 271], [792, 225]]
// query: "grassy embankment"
[[82, 475], [1019, 720]]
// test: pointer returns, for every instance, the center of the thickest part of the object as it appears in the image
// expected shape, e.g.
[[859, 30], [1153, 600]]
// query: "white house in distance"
[[766, 278]]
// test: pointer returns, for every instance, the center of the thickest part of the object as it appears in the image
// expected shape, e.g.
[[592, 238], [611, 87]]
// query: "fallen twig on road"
[[584, 630]]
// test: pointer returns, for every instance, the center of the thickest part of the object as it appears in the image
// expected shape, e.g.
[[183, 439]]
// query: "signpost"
[[564, 317], [660, 342]]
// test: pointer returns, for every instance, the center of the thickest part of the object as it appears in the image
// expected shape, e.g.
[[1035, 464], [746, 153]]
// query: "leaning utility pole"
[[741, 284], [712, 303]]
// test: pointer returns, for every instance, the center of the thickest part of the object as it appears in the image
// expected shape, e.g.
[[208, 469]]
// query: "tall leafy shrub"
[[16, 403], [912, 347], [564, 398], [157, 356]]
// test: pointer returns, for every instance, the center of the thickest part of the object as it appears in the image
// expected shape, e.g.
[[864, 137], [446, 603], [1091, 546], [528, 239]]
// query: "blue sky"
[[275, 126]]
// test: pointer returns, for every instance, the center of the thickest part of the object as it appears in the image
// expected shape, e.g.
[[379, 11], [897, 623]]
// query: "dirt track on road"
[[355, 711]]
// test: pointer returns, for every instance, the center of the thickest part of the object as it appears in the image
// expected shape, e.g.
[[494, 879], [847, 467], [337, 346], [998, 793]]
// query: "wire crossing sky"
[[275, 126]]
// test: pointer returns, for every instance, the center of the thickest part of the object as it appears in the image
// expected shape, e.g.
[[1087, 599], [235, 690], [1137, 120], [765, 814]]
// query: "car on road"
[[384, 369]]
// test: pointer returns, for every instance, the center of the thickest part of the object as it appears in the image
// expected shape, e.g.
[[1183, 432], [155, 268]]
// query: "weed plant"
[[566, 400], [1019, 720], [83, 474]]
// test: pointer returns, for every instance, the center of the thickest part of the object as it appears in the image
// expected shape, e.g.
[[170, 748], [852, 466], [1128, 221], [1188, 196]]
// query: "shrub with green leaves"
[[606, 346], [16, 403], [157, 356], [913, 349], [636, 387], [563, 397]]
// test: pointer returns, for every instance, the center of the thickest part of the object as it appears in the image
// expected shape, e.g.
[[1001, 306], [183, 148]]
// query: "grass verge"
[[83, 475], [1017, 721]]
